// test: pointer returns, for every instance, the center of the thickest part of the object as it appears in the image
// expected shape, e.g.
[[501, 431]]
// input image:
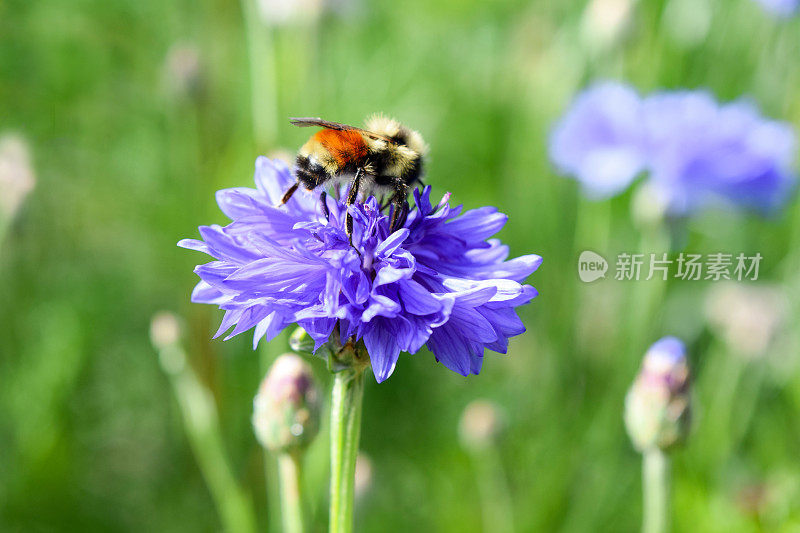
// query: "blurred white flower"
[[16, 174], [284, 154], [606, 21], [165, 335], [363, 479], [182, 68], [283, 12], [164, 329], [747, 318], [481, 423], [649, 205]]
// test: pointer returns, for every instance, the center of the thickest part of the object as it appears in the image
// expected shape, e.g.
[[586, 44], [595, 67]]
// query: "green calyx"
[[338, 356]]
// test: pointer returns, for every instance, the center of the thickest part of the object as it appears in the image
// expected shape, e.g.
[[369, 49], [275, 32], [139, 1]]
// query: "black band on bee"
[[381, 161], [310, 175], [413, 173], [401, 137]]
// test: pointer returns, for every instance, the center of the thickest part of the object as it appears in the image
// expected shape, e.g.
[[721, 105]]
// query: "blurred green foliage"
[[128, 157]]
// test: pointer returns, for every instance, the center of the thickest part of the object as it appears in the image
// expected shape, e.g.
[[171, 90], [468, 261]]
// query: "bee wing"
[[305, 122]]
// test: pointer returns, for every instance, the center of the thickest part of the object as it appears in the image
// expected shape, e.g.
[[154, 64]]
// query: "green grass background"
[[91, 438]]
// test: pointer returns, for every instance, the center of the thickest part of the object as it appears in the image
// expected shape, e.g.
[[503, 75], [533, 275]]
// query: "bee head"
[[398, 133]]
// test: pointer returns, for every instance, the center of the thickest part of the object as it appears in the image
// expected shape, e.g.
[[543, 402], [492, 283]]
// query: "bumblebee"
[[384, 157]]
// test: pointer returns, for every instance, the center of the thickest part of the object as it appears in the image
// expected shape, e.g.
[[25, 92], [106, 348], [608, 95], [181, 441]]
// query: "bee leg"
[[400, 211], [288, 194], [323, 199], [399, 215], [352, 195], [401, 221]]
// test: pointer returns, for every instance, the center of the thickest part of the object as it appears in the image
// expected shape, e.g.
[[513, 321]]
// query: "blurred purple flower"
[[703, 153], [599, 139], [436, 281], [697, 151], [781, 8]]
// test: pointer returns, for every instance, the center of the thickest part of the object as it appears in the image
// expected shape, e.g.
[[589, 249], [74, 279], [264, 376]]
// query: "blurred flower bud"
[[286, 12], [481, 423], [182, 70], [649, 205], [746, 317], [165, 334], [16, 174], [286, 410], [657, 405], [284, 154], [164, 329], [363, 480], [300, 341], [606, 21], [752, 498]]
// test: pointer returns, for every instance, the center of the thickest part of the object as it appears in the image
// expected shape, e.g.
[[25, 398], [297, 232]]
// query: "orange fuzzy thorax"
[[345, 146]]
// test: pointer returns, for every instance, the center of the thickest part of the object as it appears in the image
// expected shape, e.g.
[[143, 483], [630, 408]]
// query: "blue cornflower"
[[781, 8], [696, 151], [701, 153], [438, 281], [599, 140]]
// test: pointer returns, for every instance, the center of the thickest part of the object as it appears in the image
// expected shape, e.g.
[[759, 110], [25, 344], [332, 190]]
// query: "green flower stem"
[[655, 484], [495, 495], [201, 423], [290, 472], [346, 400]]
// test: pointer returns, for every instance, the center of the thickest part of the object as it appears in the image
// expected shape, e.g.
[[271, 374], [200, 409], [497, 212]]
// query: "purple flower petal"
[[382, 348], [437, 280]]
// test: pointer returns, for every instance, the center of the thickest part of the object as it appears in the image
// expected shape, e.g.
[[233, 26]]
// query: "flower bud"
[[16, 175], [481, 423], [657, 405], [286, 410]]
